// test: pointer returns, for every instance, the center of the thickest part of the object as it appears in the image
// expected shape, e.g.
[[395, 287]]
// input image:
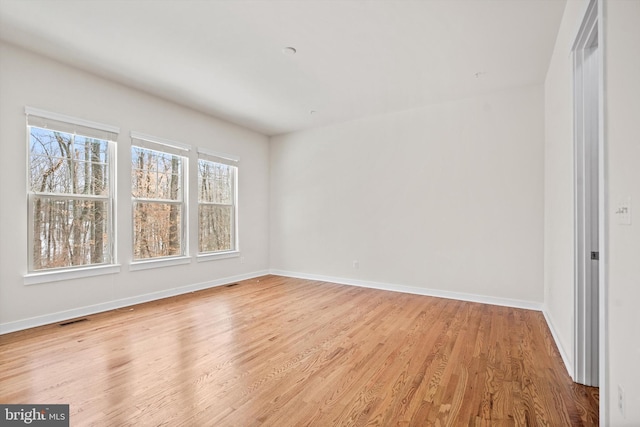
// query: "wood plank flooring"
[[278, 351]]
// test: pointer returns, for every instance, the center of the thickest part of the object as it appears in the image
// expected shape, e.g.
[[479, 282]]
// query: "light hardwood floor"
[[287, 352]]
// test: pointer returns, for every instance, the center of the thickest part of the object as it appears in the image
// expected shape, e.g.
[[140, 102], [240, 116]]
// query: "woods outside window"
[[71, 192], [217, 203], [158, 171]]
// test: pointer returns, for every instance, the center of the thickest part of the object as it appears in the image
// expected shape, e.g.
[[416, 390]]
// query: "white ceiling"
[[354, 58]]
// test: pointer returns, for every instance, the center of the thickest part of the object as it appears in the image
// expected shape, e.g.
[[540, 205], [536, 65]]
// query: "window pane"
[[91, 149], [45, 142], [215, 182], [92, 178], [156, 230], [69, 232], [66, 164], [216, 228], [155, 175], [50, 160]]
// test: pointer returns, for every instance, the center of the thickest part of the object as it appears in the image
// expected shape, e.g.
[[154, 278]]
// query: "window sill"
[[76, 273], [159, 262], [217, 255]]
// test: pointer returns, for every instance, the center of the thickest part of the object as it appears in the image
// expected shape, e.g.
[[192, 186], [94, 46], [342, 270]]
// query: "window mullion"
[[151, 200], [216, 204], [58, 196]]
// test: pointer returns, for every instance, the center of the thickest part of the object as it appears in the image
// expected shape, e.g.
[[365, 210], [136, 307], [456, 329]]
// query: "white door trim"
[[587, 194]]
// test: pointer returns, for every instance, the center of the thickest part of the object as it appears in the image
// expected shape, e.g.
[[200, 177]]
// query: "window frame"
[[232, 161], [165, 146], [42, 119]]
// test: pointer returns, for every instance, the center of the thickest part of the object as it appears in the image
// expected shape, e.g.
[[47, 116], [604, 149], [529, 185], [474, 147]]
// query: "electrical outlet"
[[621, 400], [356, 264], [241, 260]]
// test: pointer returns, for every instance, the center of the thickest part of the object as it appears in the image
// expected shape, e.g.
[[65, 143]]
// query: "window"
[[71, 192], [217, 203], [158, 168]]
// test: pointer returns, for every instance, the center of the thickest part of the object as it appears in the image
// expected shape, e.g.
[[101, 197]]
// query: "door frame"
[[589, 199]]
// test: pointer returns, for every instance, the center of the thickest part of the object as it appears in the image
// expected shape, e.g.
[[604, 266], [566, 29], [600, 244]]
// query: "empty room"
[[320, 212]]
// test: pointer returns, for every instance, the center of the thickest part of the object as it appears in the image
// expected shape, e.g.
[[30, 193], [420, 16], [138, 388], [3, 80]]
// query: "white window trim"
[[155, 140], [149, 142], [213, 155], [30, 111], [70, 273], [212, 256], [151, 263], [230, 160], [74, 272]]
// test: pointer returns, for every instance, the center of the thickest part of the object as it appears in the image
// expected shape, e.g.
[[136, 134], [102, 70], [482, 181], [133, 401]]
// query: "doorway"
[[587, 190]]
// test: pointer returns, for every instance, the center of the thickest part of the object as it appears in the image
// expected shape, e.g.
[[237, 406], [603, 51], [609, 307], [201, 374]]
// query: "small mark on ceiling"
[[290, 51]]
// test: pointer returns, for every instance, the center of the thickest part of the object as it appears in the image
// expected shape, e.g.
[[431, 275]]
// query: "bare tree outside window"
[[216, 206], [156, 188], [69, 199]]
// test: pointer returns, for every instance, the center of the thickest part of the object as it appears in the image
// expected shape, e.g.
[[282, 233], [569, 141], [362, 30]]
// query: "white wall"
[[28, 79], [447, 197], [622, 112], [558, 189], [622, 136]]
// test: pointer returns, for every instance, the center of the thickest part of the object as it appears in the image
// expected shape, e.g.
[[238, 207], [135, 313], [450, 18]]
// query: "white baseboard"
[[563, 353], [506, 302], [60, 316]]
